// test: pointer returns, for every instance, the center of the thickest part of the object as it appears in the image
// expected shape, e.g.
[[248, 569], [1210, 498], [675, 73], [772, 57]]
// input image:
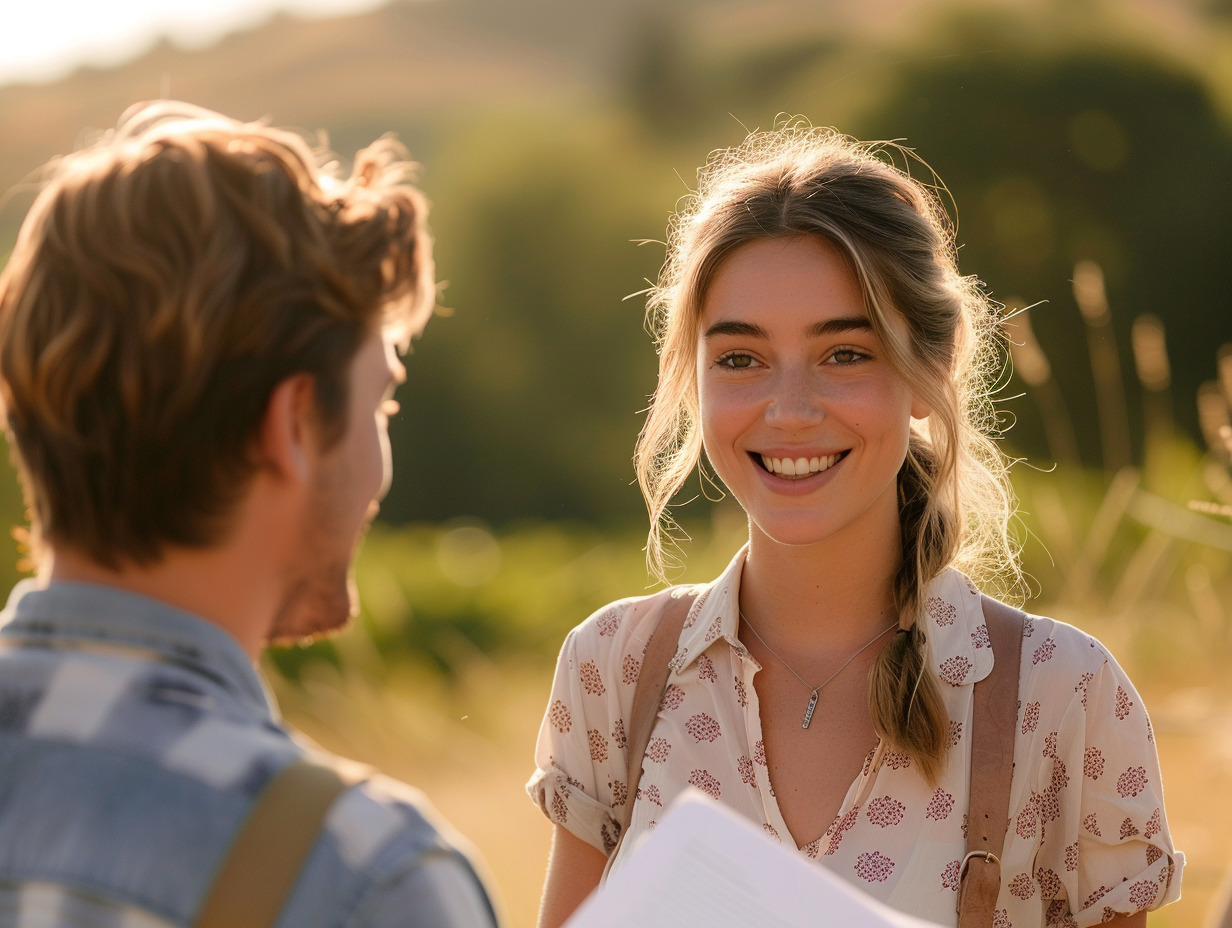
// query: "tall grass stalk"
[[1080, 584], [1092, 299], [1155, 376], [1032, 365]]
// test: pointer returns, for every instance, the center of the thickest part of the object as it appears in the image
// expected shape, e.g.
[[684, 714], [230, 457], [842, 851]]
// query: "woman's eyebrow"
[[730, 327], [816, 330], [839, 325]]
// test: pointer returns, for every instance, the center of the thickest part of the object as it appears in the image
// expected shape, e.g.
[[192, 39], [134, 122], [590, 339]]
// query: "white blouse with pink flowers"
[[1087, 836]]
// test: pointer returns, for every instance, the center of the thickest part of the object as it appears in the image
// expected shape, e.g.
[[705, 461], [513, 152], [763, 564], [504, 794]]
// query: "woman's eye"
[[736, 361], [847, 355]]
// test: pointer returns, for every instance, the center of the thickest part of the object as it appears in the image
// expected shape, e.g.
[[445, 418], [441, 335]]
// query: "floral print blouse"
[[1087, 837]]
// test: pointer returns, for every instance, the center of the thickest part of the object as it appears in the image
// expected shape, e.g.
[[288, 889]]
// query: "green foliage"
[[1139, 569], [1080, 153], [522, 402], [12, 522], [445, 596]]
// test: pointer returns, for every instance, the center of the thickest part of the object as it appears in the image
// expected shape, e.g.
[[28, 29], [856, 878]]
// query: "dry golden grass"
[[1194, 733], [469, 747]]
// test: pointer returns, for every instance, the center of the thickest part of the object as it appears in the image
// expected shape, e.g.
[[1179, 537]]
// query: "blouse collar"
[[952, 620]]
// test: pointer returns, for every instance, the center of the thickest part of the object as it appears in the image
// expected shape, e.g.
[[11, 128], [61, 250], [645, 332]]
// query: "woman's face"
[[802, 416]]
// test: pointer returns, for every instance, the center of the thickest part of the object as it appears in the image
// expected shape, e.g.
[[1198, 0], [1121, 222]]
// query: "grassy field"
[[469, 746]]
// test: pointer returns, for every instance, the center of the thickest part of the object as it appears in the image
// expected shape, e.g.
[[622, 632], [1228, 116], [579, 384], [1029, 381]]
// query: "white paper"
[[705, 865]]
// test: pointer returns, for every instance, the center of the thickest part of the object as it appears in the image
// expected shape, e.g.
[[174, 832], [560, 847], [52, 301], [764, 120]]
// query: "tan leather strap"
[[254, 881], [993, 723], [647, 695]]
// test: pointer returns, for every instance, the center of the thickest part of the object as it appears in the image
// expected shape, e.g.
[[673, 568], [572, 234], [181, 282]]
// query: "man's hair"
[[164, 282]]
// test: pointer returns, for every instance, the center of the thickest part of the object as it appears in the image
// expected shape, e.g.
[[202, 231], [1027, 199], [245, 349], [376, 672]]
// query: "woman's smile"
[[798, 468]]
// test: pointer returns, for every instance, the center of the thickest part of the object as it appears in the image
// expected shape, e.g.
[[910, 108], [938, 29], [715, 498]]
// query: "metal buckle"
[[987, 855]]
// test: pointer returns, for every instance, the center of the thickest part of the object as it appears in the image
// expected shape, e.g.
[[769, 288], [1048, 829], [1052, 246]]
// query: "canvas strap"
[[254, 881], [993, 722], [647, 695]]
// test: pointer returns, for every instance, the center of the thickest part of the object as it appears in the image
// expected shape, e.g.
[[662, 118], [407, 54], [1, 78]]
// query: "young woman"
[[819, 346]]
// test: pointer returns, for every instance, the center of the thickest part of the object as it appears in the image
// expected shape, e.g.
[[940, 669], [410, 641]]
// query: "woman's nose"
[[796, 401]]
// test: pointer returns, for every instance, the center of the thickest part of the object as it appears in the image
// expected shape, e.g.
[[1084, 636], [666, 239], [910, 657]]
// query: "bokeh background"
[[1086, 146]]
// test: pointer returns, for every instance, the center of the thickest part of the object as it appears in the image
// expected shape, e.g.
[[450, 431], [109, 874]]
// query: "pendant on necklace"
[[808, 712]]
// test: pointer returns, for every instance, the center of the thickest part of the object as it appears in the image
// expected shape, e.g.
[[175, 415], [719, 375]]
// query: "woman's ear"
[[286, 439], [919, 409]]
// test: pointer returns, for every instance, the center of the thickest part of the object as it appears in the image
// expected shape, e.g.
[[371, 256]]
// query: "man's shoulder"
[[384, 840], [149, 829], [383, 818], [129, 779]]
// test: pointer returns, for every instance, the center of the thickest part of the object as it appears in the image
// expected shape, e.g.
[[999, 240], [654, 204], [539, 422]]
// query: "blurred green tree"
[[1055, 156], [523, 401]]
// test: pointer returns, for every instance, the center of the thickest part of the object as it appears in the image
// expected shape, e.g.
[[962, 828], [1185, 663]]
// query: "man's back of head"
[[198, 328], [166, 279]]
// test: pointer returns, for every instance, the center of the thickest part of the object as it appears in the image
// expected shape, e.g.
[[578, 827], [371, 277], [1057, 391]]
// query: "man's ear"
[[287, 437]]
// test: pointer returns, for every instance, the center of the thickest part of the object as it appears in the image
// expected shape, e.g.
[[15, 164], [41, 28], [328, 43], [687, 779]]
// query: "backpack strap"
[[260, 870], [993, 723], [647, 695]]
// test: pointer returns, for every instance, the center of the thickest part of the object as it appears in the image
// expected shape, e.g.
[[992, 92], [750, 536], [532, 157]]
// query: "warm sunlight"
[[43, 41]]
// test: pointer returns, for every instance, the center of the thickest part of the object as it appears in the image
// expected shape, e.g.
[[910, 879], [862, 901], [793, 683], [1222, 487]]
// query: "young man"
[[198, 334]]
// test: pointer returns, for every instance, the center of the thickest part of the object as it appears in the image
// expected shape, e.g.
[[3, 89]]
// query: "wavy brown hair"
[[165, 280], [954, 497]]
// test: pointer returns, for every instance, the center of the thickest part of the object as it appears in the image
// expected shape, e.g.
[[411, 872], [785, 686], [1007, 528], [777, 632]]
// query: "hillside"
[[353, 72]]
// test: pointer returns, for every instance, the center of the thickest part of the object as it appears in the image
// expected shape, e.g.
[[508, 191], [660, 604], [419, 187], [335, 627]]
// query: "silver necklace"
[[812, 702]]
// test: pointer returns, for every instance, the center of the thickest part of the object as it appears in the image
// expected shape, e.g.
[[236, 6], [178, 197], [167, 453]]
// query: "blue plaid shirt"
[[133, 740]]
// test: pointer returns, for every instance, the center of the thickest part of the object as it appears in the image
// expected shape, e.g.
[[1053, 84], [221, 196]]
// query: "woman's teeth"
[[799, 467]]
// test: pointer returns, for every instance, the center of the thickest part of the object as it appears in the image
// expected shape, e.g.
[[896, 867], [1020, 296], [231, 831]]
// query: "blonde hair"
[[954, 496], [165, 280]]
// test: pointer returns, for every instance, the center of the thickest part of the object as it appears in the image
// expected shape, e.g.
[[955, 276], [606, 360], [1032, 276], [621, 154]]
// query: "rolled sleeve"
[[1111, 849], [581, 754]]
